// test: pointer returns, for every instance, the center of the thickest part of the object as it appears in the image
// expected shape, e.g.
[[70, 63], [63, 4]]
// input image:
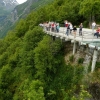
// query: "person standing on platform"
[[68, 29], [71, 28], [57, 27], [80, 29], [74, 31], [66, 25], [97, 32], [93, 26]]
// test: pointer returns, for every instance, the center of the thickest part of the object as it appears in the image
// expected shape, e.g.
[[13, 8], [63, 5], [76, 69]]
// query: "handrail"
[[86, 36]]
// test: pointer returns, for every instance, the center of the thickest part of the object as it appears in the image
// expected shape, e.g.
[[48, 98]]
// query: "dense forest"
[[32, 64]]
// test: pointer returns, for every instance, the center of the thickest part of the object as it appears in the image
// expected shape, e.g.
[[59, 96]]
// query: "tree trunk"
[[90, 22]]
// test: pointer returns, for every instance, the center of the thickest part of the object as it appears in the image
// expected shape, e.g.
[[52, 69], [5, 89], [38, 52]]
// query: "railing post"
[[83, 32], [63, 31], [82, 36]]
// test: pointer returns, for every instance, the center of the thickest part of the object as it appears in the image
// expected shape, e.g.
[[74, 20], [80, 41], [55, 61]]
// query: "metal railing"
[[86, 35]]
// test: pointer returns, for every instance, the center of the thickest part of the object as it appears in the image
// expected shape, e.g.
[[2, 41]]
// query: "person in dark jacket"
[[80, 29], [74, 31]]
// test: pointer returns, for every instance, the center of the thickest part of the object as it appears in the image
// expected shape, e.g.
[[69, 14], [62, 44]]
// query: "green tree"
[[21, 28], [5, 80], [90, 9], [30, 90]]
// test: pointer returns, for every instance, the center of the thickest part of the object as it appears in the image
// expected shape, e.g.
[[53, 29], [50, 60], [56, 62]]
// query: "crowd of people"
[[50, 26], [70, 29], [54, 27]]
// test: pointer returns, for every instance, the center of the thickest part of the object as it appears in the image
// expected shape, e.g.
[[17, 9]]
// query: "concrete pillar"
[[94, 60], [74, 47]]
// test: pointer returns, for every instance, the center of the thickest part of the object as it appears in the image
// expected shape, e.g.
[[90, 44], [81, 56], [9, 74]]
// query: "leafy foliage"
[[71, 58], [32, 65], [80, 60]]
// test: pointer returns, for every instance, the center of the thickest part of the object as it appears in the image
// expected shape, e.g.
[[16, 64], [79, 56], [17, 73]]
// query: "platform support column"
[[74, 47], [94, 60]]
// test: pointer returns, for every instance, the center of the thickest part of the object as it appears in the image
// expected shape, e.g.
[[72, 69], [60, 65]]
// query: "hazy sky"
[[21, 1]]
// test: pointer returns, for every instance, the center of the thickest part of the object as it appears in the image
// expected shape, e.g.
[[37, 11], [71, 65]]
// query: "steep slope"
[[29, 5], [20, 11], [8, 4], [32, 65]]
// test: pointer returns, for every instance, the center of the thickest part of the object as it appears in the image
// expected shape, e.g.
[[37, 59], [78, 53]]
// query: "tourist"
[[68, 28], [52, 26], [66, 23], [97, 32], [80, 29], [57, 27], [93, 26], [71, 28], [74, 31]]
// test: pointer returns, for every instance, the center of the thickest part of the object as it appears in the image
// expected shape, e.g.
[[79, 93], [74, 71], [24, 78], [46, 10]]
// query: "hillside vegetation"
[[9, 19], [32, 65]]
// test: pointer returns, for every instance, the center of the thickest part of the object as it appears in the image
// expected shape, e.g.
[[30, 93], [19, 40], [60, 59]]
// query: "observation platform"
[[86, 38]]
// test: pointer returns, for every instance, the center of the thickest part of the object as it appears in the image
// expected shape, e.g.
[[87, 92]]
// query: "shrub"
[[80, 60], [71, 58], [97, 65]]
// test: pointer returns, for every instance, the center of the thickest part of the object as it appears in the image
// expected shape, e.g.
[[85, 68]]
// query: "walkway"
[[86, 38], [87, 35]]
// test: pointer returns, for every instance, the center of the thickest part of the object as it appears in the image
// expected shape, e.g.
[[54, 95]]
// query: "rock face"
[[8, 4], [11, 11], [6, 7]]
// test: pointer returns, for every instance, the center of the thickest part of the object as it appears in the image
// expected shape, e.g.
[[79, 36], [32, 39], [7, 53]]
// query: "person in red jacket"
[[97, 32]]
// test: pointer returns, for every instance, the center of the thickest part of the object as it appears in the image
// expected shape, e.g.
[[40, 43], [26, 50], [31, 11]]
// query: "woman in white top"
[[93, 26], [71, 28]]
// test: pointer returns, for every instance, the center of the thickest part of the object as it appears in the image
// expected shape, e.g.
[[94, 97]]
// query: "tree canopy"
[[32, 65]]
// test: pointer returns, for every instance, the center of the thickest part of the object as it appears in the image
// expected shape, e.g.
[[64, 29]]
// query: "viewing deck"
[[87, 35], [86, 38]]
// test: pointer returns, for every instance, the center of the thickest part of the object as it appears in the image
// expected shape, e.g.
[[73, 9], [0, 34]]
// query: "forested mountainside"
[[6, 6], [8, 20], [29, 6], [33, 66]]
